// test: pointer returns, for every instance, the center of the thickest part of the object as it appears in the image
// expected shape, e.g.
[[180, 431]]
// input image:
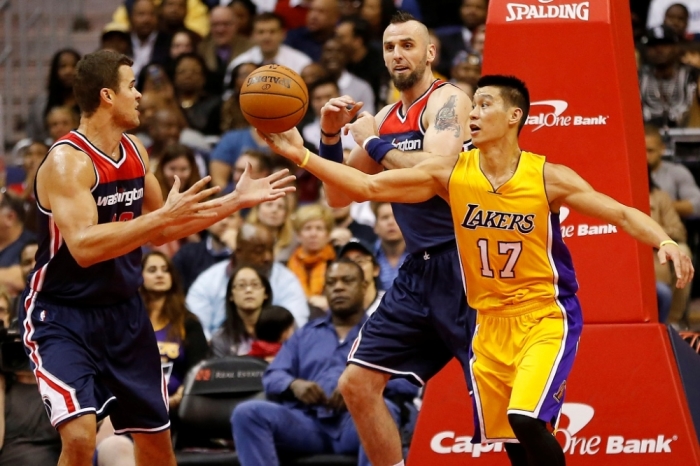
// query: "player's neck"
[[500, 158], [409, 96], [102, 133]]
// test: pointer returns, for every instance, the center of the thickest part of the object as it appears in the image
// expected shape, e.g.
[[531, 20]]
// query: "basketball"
[[274, 98]]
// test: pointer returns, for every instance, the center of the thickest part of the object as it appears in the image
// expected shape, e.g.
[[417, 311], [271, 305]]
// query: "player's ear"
[[106, 94], [515, 115], [431, 53]]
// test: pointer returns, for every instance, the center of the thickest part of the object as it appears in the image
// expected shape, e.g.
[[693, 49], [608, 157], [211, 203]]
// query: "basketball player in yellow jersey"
[[505, 207]]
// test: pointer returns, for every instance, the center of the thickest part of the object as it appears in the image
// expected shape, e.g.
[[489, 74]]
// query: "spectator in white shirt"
[[335, 59], [268, 35]]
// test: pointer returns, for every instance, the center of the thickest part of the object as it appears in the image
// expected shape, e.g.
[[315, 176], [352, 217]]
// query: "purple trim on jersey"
[[567, 284]]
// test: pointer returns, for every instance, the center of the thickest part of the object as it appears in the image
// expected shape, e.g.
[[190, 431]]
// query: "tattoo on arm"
[[446, 118]]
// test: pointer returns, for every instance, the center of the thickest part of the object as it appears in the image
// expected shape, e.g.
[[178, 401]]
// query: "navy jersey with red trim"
[[118, 194], [428, 223]]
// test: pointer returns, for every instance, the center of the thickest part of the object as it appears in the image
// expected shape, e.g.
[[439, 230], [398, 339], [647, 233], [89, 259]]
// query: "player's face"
[[344, 289], [126, 101], [655, 149], [273, 213], [489, 118], [248, 291], [156, 275], [314, 236], [407, 53], [386, 227]]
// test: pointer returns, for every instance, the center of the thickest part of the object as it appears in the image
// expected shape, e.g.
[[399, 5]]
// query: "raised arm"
[[64, 183], [407, 185], [565, 186]]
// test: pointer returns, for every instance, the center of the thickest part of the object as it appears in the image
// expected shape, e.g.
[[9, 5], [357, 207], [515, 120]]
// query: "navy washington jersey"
[[118, 194], [425, 224]]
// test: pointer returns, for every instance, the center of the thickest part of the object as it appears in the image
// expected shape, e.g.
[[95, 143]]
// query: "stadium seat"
[[213, 388]]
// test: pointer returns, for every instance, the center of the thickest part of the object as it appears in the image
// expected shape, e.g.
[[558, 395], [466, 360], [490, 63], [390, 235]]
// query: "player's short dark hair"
[[360, 27], [272, 322], [322, 82], [513, 91], [402, 17], [269, 16], [94, 72]]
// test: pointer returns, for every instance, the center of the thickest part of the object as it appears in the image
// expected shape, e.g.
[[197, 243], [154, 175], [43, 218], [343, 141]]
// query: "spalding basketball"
[[274, 98]]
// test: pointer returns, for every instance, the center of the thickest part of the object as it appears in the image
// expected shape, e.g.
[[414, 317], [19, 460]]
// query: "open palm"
[[252, 192]]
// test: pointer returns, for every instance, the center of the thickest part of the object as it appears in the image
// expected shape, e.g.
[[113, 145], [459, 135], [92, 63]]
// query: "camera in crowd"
[[13, 358]]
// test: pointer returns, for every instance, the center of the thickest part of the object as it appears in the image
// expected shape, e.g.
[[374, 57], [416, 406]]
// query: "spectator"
[[254, 248], [60, 121], [344, 219], [183, 41], [32, 156], [232, 146], [166, 129], [473, 15], [304, 377], [219, 243], [466, 68], [321, 19], [334, 59], [13, 237], [154, 79], [676, 18], [312, 73], [6, 309], [349, 8], [360, 253], [658, 8], [27, 261], [28, 437], [59, 93], [171, 17], [268, 36], [202, 111], [673, 178], [667, 86], [147, 44], [313, 224], [248, 291], [365, 59], [479, 40], [672, 301], [378, 14], [320, 92], [275, 325], [181, 341], [244, 11], [275, 216], [222, 45], [231, 115], [196, 19], [116, 37], [391, 247]]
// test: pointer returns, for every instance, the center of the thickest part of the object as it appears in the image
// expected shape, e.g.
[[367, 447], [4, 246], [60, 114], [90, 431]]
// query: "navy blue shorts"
[[86, 358], [422, 321]]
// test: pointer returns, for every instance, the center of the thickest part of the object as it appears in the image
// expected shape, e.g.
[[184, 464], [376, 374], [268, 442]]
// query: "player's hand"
[[338, 112], [252, 192], [289, 144], [364, 127], [183, 207], [308, 392], [336, 401], [682, 264]]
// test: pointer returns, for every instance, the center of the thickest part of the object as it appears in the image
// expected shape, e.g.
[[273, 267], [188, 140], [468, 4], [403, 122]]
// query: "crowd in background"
[[245, 284]]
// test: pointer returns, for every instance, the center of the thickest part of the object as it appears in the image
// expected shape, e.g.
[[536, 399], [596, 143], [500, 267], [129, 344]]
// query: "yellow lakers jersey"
[[509, 241]]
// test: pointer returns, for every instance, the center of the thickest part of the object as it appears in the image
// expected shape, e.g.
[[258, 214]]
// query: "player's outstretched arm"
[[407, 185], [64, 184], [446, 119], [565, 186]]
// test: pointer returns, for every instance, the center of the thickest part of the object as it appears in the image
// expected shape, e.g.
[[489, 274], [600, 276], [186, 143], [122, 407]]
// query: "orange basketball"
[[274, 98]]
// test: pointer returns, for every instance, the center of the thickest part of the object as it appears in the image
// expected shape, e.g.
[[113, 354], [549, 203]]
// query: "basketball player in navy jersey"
[[423, 320], [84, 325]]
